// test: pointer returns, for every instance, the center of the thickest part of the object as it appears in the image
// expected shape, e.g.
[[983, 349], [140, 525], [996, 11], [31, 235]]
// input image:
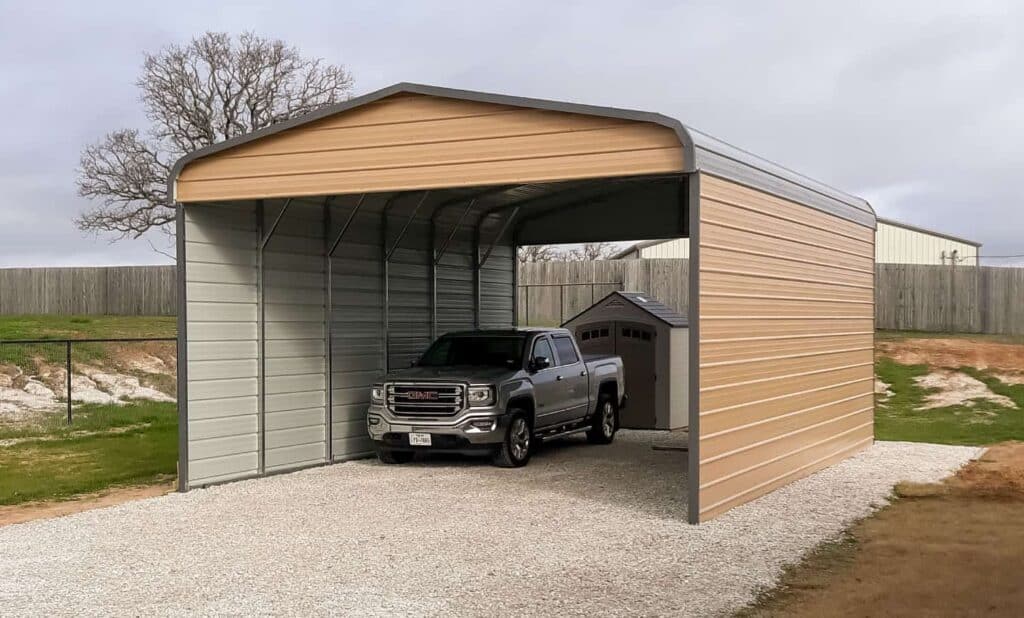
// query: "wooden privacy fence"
[[552, 292], [115, 290], [965, 299]]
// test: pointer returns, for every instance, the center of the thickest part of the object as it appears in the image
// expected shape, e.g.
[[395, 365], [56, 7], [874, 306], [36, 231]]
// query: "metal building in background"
[[895, 243], [315, 254]]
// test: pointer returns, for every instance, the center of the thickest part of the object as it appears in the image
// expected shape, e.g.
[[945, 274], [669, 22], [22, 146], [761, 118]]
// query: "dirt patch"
[[955, 352], [955, 388], [882, 389], [46, 510], [952, 549]]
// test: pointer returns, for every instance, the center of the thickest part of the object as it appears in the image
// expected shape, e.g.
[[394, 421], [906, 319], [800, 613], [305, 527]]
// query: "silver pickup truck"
[[498, 392]]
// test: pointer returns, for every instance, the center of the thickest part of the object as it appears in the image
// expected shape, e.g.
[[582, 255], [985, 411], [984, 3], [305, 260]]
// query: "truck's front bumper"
[[473, 430]]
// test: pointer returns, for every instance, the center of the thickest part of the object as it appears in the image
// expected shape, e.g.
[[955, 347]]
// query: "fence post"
[[67, 351]]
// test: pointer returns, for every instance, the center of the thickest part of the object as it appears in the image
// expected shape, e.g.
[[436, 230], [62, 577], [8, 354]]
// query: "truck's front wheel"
[[606, 421], [514, 451]]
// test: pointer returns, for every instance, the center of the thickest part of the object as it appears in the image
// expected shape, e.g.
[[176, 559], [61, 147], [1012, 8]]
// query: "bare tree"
[[540, 253], [591, 251], [210, 90]]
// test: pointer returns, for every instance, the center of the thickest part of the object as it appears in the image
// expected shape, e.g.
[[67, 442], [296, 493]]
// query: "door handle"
[[583, 374], [559, 378]]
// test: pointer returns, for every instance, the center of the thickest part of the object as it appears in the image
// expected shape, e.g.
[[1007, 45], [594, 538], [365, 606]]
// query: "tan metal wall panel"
[[417, 142], [786, 334]]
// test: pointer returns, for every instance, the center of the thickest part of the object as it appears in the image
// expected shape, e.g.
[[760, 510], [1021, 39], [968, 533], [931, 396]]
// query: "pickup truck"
[[497, 392]]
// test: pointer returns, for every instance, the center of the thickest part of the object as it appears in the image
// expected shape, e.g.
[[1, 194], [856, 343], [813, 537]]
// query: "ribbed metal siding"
[[357, 331], [898, 245], [408, 287], [497, 287], [296, 396], [455, 281], [220, 275]]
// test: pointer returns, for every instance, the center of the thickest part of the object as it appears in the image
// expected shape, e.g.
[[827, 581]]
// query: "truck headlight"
[[481, 396], [377, 394]]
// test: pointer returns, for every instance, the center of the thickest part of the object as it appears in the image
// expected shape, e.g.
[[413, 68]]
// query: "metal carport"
[[318, 252]]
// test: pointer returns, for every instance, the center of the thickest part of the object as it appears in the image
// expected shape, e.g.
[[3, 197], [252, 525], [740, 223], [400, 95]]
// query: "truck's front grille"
[[426, 399]]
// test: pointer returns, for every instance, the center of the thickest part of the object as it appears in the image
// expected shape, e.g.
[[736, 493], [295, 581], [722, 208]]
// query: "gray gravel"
[[582, 530]]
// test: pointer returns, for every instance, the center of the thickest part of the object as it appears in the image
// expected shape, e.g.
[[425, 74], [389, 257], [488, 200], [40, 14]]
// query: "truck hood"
[[475, 375]]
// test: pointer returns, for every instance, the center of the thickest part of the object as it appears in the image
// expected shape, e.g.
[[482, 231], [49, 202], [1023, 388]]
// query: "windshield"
[[478, 351]]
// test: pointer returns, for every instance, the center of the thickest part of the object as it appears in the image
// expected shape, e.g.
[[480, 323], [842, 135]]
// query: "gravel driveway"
[[581, 530]]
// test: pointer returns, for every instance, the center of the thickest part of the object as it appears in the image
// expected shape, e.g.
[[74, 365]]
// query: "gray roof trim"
[[701, 152], [924, 230]]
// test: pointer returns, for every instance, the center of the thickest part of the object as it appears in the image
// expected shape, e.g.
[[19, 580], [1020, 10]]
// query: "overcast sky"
[[916, 106]]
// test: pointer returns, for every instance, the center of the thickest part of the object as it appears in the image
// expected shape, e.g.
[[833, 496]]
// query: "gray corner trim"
[[924, 230], [693, 368], [182, 346]]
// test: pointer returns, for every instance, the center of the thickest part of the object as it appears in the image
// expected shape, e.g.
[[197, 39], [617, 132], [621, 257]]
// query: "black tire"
[[517, 445], [606, 421], [387, 456]]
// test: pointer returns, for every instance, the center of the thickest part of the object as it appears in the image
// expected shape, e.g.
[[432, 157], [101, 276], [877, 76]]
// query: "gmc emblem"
[[422, 395]]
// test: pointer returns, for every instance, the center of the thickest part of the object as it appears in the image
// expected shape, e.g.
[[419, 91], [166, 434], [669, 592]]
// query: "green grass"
[[900, 417], [86, 327], [106, 446]]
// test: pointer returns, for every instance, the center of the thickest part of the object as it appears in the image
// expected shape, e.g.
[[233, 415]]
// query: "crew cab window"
[[566, 351], [543, 348]]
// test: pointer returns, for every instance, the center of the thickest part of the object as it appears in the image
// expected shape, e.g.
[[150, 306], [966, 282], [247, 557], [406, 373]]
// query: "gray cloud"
[[917, 106]]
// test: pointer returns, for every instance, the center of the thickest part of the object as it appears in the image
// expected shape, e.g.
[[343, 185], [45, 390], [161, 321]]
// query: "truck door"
[[572, 374], [547, 394]]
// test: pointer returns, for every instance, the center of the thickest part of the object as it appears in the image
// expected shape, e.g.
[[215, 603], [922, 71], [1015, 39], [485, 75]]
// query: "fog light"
[[373, 420], [483, 424]]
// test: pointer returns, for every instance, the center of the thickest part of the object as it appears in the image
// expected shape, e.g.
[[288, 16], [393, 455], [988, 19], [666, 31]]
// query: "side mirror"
[[540, 362]]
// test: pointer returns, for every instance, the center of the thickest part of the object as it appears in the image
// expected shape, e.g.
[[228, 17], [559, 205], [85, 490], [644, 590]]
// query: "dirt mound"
[[998, 473], [948, 549], [955, 388], [956, 352]]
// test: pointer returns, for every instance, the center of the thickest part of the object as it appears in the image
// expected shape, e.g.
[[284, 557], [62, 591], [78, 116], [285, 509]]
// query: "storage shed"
[[317, 253], [653, 341]]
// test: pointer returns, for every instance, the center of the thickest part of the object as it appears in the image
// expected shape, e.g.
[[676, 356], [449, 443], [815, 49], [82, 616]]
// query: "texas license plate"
[[419, 439]]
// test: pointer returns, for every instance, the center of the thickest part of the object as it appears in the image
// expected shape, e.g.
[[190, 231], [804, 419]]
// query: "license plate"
[[419, 439]]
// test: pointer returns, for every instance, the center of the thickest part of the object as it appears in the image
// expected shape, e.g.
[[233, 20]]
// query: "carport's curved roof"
[[701, 152]]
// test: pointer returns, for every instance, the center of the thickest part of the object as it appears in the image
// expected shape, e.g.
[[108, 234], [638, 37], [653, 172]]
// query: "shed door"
[[596, 338], [635, 343]]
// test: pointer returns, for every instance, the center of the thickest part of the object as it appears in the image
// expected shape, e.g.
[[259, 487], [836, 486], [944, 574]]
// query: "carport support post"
[[476, 277], [692, 203], [328, 324], [261, 289]]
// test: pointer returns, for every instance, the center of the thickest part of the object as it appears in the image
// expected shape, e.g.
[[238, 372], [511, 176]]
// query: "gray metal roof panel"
[[701, 152]]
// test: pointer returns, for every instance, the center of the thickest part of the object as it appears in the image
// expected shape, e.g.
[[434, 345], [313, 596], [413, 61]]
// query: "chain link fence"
[[43, 380]]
